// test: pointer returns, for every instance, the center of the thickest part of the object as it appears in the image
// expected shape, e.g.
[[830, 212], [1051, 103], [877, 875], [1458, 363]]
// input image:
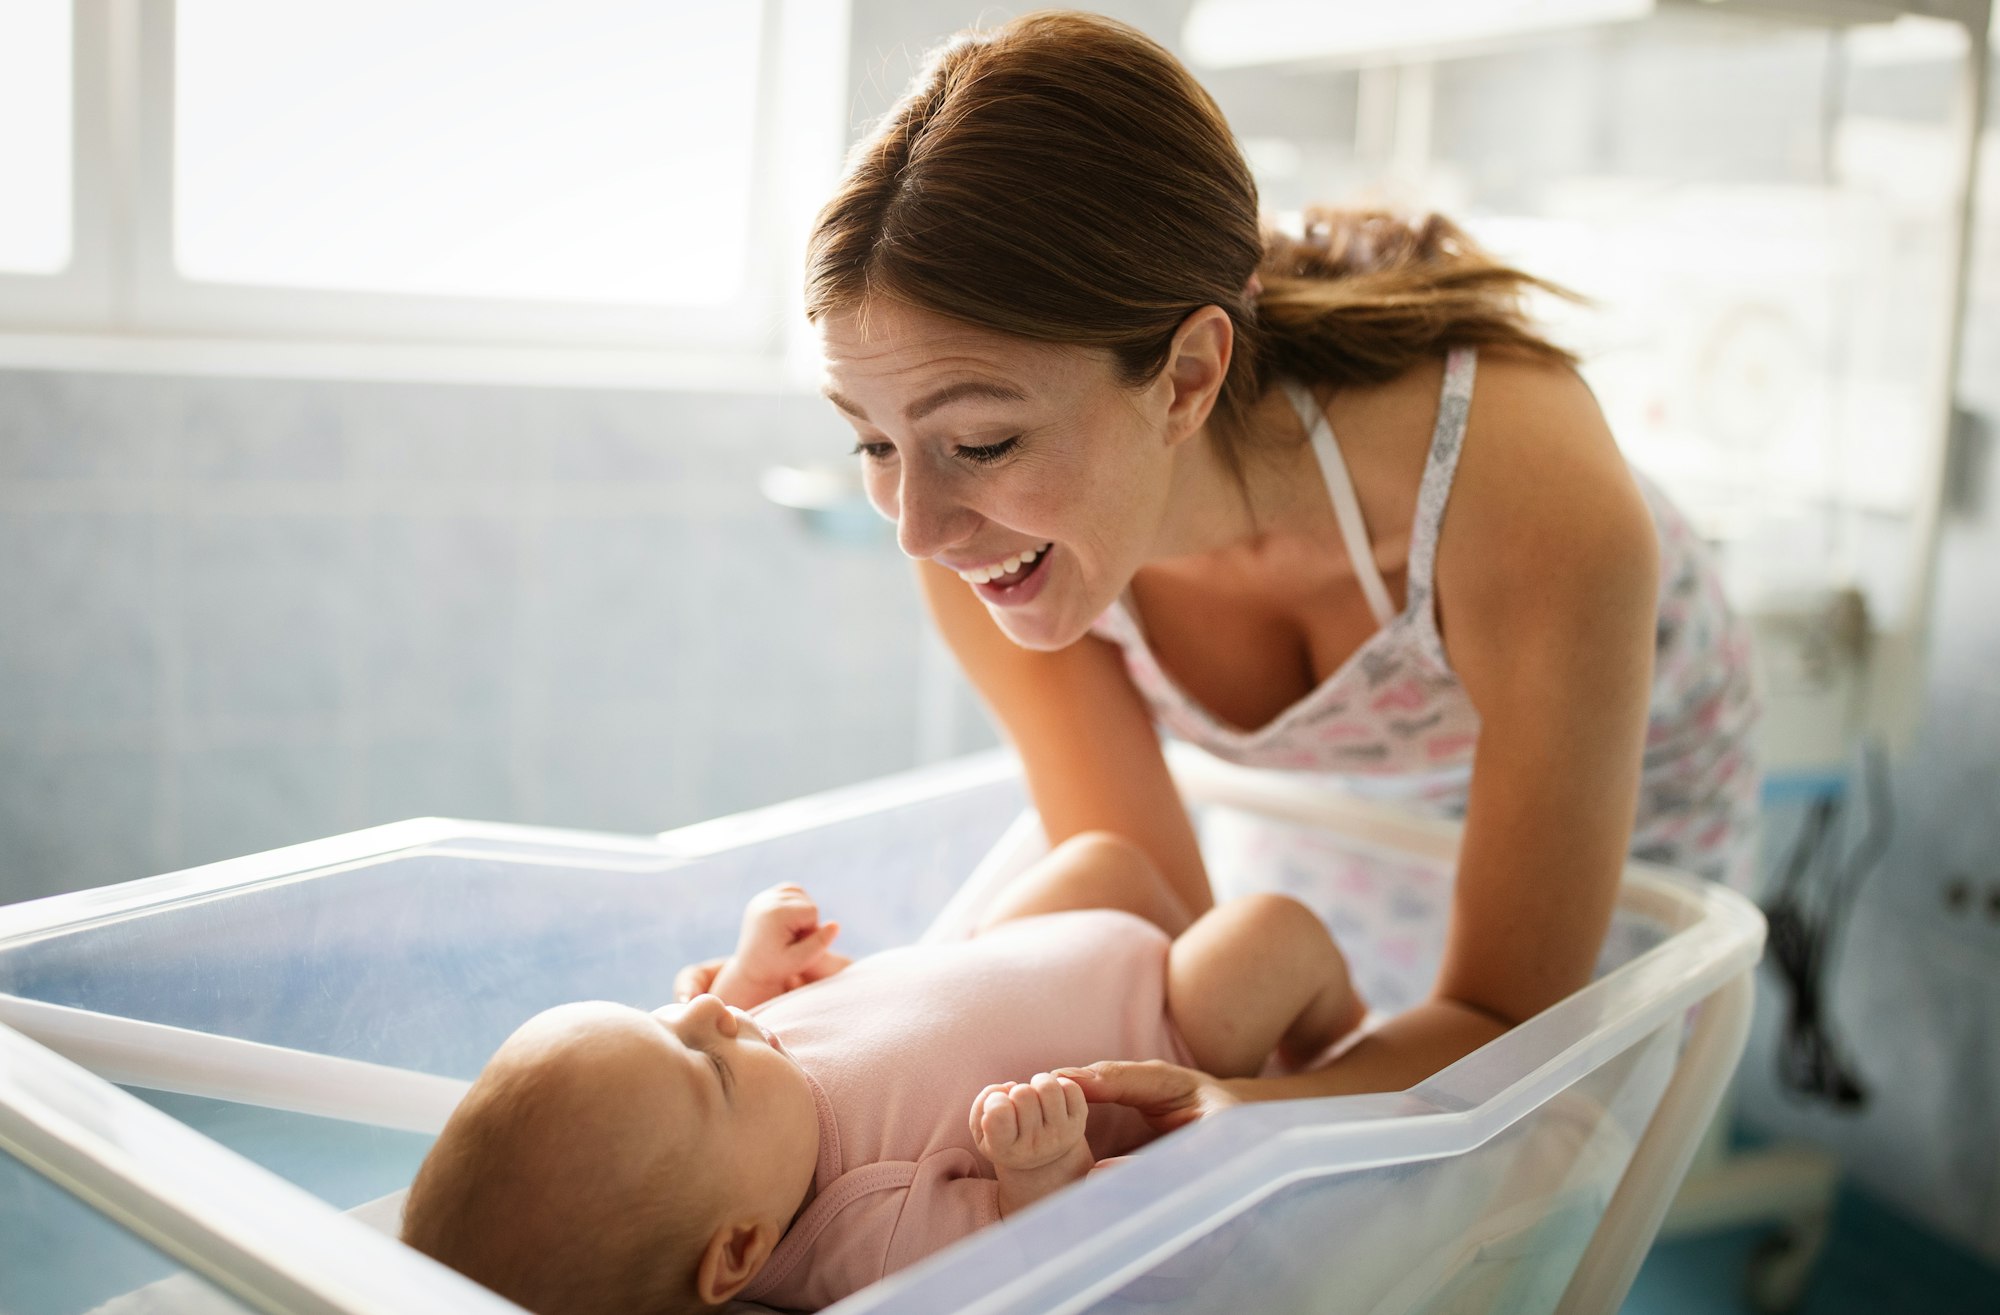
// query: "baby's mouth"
[[1011, 572]]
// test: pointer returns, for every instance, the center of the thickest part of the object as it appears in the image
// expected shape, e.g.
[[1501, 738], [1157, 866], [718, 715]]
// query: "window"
[[592, 152], [607, 173], [35, 136]]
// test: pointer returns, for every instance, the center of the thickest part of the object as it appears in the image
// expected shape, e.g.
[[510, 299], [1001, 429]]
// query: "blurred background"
[[405, 410]]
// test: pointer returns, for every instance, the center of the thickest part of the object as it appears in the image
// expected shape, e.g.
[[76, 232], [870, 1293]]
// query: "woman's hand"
[[1166, 1095]]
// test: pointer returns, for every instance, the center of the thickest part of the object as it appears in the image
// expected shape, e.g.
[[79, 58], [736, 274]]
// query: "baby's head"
[[613, 1160]]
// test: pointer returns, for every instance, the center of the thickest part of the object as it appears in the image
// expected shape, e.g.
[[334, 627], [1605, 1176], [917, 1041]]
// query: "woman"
[[1100, 405]]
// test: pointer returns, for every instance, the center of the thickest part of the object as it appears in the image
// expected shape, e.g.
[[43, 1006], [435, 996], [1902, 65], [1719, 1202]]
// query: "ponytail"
[[1064, 179]]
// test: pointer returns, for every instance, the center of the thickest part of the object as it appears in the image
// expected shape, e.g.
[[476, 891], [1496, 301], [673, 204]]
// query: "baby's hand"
[[1029, 1125], [783, 944]]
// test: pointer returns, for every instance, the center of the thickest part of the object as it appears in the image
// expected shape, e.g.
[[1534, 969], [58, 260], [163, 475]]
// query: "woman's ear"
[[734, 1254], [1197, 363]]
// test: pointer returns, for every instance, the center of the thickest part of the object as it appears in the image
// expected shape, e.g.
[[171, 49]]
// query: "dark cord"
[[1802, 937]]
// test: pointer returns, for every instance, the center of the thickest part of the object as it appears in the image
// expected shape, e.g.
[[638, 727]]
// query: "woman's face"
[[990, 451]]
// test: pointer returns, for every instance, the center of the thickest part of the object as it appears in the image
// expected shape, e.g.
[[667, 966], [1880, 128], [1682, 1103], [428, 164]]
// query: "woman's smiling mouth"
[[1013, 582], [1005, 572]]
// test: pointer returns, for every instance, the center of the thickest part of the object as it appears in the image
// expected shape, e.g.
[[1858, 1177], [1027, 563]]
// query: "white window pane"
[[594, 150], [34, 136]]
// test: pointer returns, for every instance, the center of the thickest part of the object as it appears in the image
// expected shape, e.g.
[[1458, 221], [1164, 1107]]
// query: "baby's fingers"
[[820, 969], [694, 979], [1000, 1117], [1027, 1103], [811, 944], [1054, 1093], [808, 947], [975, 1119]]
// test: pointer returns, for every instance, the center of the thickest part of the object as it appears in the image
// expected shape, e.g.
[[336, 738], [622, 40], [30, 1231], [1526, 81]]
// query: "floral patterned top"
[[1394, 721]]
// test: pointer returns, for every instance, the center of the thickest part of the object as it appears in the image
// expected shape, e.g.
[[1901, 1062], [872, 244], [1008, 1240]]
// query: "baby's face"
[[699, 1083], [751, 1105]]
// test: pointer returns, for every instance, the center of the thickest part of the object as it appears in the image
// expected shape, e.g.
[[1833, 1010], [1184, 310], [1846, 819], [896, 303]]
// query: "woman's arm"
[[1548, 579], [1086, 739], [1548, 576]]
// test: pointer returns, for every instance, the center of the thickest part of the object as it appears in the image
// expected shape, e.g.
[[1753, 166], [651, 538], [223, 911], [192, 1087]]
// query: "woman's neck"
[[1274, 489]]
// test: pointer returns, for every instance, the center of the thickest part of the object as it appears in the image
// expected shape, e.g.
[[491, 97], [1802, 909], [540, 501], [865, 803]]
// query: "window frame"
[[122, 282]]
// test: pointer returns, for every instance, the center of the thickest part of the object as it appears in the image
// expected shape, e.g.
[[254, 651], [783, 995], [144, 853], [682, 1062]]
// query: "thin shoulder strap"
[[1454, 403], [1346, 507]]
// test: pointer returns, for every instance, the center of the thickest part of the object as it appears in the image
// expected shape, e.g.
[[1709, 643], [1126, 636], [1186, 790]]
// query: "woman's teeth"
[[987, 574]]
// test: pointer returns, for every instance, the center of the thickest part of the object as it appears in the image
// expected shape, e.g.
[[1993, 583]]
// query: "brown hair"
[[1065, 179], [506, 1199]]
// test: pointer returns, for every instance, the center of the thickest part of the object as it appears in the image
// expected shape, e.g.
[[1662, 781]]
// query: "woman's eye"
[[873, 451], [990, 453]]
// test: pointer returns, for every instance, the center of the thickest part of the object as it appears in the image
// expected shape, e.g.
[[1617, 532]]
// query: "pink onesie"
[[897, 1046]]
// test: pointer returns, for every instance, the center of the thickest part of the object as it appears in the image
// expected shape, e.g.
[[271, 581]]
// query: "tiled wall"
[[239, 613]]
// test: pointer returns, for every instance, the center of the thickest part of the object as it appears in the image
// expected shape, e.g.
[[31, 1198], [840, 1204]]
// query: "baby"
[[810, 1124]]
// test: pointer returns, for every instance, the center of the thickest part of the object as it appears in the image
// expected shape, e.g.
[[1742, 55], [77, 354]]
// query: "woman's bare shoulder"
[[1538, 461], [1545, 520]]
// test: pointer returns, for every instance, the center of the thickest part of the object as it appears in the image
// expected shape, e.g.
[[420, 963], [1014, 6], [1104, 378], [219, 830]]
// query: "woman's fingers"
[[1167, 1095], [1140, 1083]]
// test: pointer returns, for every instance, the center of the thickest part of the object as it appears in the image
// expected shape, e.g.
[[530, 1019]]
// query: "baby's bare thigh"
[[1094, 870], [1242, 974]]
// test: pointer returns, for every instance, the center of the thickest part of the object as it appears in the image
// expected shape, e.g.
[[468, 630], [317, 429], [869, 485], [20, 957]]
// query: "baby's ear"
[[734, 1254]]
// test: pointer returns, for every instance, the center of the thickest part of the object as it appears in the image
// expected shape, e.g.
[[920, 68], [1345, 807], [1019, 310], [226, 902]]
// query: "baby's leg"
[[1257, 974], [1094, 870]]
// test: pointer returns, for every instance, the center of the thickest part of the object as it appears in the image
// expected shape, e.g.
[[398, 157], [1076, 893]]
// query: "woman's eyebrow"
[[945, 396]]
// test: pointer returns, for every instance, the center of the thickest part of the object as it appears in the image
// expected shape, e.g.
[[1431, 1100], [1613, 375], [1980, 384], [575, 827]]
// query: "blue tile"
[[81, 426], [72, 820], [467, 776], [631, 782], [263, 429], [1876, 1262], [853, 610], [666, 437], [613, 613], [440, 607], [244, 799], [438, 433], [79, 643], [270, 604]]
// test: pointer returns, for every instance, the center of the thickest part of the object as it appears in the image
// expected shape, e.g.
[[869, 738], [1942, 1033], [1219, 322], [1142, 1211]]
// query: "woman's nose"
[[929, 516]]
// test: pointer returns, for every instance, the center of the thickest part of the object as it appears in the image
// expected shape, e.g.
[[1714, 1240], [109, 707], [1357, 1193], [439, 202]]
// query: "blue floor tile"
[[1876, 1262]]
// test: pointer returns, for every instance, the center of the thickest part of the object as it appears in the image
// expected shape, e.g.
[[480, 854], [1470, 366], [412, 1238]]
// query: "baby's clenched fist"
[[1028, 1125]]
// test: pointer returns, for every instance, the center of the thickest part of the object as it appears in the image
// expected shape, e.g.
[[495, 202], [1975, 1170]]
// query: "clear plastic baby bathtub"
[[214, 1084]]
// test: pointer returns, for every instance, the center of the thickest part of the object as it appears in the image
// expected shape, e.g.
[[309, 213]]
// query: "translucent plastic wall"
[[417, 948]]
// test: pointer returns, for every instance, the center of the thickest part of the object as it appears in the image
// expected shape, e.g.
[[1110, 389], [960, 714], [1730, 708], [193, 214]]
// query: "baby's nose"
[[708, 1011]]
